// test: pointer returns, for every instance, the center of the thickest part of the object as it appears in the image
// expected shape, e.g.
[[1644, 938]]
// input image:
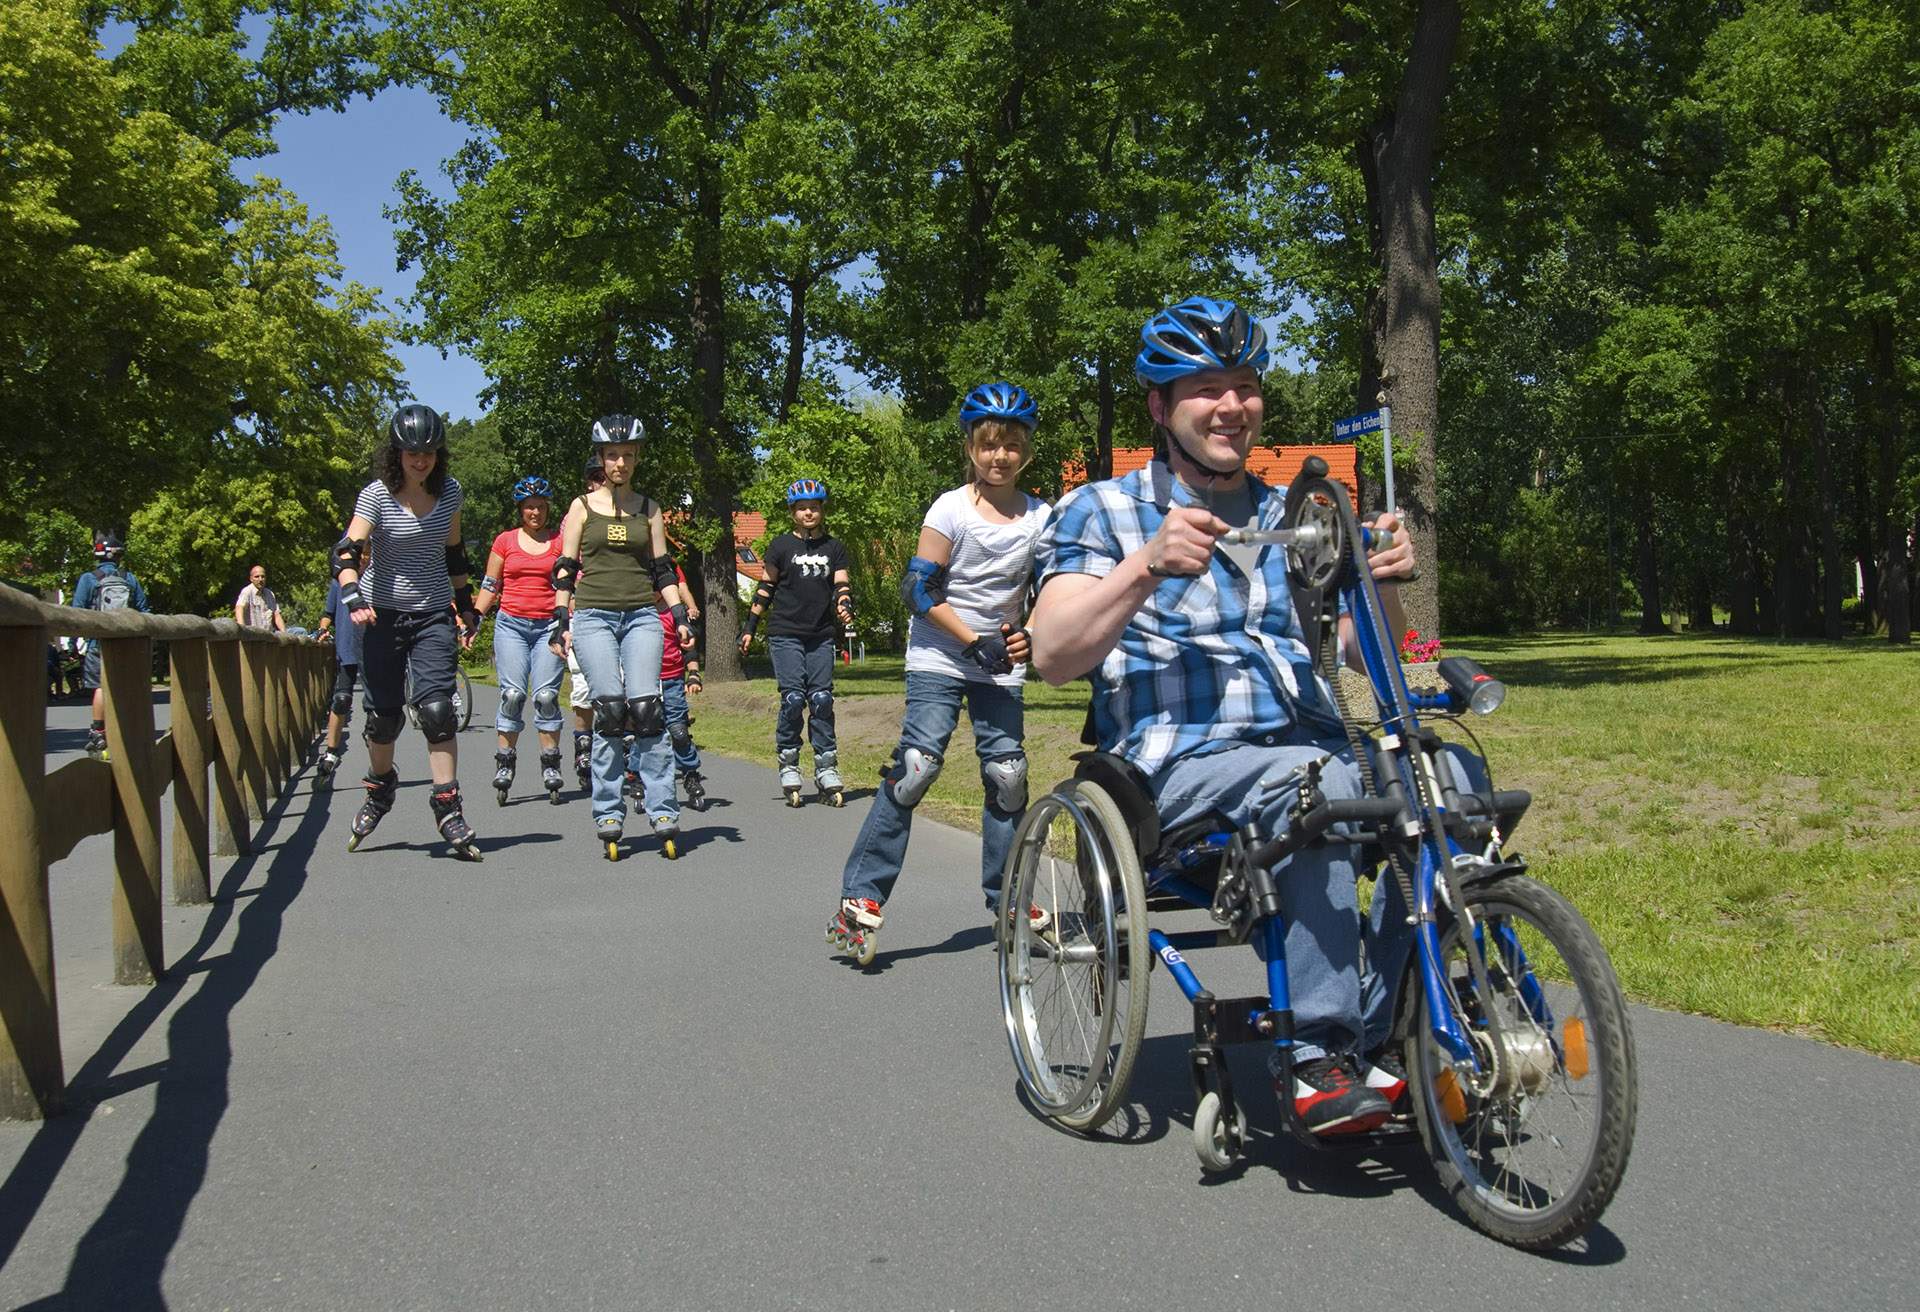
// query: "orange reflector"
[[1452, 1101], [1573, 1042]]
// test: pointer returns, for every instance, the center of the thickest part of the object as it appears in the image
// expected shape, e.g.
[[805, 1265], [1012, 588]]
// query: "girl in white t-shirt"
[[967, 589]]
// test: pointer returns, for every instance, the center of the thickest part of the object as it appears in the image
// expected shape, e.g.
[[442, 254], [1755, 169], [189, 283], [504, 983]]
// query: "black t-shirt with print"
[[803, 603]]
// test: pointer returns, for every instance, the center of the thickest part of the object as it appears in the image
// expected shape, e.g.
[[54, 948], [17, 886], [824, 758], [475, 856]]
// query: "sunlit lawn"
[[1738, 818]]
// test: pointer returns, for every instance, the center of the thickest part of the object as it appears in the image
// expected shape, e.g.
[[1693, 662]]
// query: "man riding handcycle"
[[1206, 609]]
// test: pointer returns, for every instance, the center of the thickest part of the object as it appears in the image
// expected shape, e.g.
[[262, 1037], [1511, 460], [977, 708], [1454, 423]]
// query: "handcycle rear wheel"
[[1532, 1158], [1074, 993]]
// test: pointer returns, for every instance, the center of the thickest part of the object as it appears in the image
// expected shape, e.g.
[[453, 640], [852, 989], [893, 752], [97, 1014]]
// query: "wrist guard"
[[566, 571], [679, 612], [562, 618], [490, 584], [351, 597], [843, 600], [753, 623]]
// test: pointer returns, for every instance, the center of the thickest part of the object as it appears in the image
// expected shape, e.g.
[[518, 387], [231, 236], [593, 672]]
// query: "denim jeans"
[[933, 712], [619, 653], [525, 665], [1335, 1009], [674, 691], [804, 668]]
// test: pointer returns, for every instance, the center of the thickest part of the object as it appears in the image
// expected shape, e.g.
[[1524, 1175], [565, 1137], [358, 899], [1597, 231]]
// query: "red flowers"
[[1415, 650]]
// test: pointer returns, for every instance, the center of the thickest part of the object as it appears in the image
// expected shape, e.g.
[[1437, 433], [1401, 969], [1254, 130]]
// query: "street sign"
[[1370, 422]]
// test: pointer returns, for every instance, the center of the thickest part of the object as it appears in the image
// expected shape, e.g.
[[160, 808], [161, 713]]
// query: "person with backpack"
[[107, 586]]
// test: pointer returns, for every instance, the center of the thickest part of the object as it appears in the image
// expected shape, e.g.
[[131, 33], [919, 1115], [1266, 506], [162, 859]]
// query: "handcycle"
[[1520, 1060]]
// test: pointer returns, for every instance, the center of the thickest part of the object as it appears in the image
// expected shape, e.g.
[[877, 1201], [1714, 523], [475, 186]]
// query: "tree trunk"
[[1742, 600], [1101, 465], [1651, 619], [1865, 556], [1404, 318], [1824, 459], [796, 344], [1893, 533], [714, 445], [1789, 579]]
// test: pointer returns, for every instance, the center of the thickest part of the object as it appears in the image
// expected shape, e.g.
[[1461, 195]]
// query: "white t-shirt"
[[988, 574]]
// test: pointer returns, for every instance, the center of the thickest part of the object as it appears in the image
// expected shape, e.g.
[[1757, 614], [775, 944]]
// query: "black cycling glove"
[[990, 654]]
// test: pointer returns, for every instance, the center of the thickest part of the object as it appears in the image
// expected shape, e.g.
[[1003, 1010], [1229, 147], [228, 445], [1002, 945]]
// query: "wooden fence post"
[[294, 686], [270, 655], [231, 831], [192, 862], [126, 672], [254, 711], [32, 1078]]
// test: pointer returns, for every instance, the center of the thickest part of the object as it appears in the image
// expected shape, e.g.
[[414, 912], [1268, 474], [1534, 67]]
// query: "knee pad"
[[1006, 781], [682, 737], [437, 719], [646, 717], [790, 707], [913, 773], [511, 700], [383, 726], [342, 704], [546, 705], [610, 716], [820, 705]]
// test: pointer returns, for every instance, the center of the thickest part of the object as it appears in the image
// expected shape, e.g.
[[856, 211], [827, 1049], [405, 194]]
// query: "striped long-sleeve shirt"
[[409, 566]]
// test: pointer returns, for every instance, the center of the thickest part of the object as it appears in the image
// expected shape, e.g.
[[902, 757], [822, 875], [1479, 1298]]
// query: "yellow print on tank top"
[[616, 535]]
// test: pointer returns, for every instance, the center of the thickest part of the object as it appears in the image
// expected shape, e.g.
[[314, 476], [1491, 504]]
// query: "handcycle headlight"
[[1472, 688]]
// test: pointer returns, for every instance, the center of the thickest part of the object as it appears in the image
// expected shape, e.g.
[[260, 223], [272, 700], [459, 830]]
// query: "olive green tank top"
[[616, 563]]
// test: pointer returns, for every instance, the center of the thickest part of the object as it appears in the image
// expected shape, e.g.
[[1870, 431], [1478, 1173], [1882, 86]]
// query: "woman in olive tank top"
[[613, 572]]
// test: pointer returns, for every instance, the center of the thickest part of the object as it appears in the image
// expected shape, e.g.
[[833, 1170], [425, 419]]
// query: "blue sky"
[[343, 166]]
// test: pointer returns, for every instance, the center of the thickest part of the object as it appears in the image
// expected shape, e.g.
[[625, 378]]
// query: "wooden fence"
[[244, 701]]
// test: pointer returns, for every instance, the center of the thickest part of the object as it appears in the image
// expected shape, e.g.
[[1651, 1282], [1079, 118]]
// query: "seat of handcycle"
[[1157, 848]]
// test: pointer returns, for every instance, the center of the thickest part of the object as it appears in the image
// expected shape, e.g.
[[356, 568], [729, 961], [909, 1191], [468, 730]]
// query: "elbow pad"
[[925, 585], [346, 555], [565, 571], [457, 562], [663, 575], [763, 595]]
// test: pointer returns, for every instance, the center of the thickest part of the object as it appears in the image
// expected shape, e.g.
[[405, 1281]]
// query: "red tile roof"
[[747, 526], [1276, 465]]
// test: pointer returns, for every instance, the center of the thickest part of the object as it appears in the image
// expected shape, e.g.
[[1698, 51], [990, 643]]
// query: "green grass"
[[1736, 817]]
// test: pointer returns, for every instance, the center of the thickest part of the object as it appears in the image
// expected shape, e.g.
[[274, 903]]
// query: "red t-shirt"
[[673, 661], [526, 581]]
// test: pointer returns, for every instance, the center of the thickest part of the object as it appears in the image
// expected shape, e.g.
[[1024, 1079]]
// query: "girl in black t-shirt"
[[807, 588]]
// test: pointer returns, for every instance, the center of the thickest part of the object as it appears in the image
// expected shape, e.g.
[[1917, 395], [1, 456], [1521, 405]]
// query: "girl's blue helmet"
[[532, 486], [1197, 335], [806, 489], [998, 401]]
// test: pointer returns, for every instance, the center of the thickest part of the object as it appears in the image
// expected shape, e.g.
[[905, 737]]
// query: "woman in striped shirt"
[[407, 598]]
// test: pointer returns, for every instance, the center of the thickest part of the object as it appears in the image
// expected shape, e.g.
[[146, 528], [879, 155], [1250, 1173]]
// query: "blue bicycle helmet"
[[1197, 335], [532, 486], [617, 428], [998, 401], [806, 489]]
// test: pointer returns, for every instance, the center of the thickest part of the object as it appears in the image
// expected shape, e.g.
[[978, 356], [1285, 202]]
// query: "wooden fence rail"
[[245, 703]]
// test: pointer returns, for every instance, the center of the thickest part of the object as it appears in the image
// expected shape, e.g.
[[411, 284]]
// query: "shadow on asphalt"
[[961, 940], [119, 1260]]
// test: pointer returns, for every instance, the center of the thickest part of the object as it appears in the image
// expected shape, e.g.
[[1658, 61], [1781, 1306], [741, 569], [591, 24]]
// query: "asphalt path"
[[392, 1079]]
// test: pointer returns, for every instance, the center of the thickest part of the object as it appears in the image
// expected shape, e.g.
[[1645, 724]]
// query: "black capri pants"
[[407, 647]]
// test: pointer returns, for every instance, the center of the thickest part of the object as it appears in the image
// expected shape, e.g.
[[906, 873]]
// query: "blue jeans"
[[619, 653], [679, 720], [933, 712], [526, 667], [1335, 1009], [804, 668]]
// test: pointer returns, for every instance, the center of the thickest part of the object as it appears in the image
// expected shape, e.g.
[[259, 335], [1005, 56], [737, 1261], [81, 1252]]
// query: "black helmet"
[[416, 427], [108, 546], [593, 469], [617, 428]]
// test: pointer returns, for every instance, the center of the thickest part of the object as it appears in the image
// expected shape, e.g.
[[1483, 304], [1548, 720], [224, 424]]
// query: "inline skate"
[[380, 789], [445, 800], [826, 777], [550, 777], [790, 781], [583, 757], [323, 767], [696, 789], [504, 762], [667, 829], [609, 830], [855, 929]]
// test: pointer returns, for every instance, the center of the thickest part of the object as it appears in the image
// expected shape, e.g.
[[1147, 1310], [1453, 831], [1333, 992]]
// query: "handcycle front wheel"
[[1073, 991], [1532, 1148]]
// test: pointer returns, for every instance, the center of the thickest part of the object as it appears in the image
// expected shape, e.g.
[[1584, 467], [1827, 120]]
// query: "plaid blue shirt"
[[1206, 662]]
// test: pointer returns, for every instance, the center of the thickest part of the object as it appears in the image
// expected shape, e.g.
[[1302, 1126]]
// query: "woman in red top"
[[520, 582]]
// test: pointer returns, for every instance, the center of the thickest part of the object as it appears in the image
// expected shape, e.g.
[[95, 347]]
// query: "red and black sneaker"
[[1385, 1075], [1331, 1101]]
